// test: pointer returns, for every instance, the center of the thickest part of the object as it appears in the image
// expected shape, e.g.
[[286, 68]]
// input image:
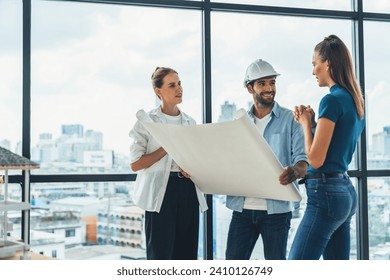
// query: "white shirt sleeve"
[[139, 144]]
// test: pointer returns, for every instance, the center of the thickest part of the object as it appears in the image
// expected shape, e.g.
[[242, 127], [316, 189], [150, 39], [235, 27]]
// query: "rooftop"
[[106, 252], [10, 160]]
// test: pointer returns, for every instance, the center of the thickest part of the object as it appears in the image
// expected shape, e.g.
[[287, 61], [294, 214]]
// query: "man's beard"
[[263, 102]]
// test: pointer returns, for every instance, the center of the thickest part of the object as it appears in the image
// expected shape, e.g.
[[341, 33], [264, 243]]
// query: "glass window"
[[11, 75], [377, 98], [281, 42], [92, 74], [316, 4], [378, 6], [70, 233], [353, 230], [379, 218], [66, 215]]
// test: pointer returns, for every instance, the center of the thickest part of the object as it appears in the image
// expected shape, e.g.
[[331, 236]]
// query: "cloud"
[[10, 98], [10, 27], [314, 4], [92, 64], [285, 42], [104, 77], [377, 6], [306, 92]]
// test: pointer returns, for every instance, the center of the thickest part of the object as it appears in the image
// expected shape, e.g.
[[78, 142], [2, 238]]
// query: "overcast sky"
[[91, 64]]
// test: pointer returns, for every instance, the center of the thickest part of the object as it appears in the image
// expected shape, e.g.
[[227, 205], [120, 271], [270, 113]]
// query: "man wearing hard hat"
[[255, 216]]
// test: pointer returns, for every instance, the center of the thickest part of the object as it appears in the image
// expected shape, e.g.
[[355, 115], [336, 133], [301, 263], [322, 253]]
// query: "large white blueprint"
[[229, 158]]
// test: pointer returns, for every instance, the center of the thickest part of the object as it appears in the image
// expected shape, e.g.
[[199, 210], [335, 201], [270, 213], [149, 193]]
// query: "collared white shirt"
[[151, 183]]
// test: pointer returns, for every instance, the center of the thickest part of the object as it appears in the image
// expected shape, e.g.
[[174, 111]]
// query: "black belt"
[[321, 176], [176, 174]]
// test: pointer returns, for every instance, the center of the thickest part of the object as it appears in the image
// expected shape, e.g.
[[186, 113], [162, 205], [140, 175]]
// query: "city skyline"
[[227, 112], [55, 193]]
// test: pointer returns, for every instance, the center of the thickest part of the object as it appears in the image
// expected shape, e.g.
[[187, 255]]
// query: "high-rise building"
[[75, 130], [228, 111], [381, 142], [95, 137], [46, 150]]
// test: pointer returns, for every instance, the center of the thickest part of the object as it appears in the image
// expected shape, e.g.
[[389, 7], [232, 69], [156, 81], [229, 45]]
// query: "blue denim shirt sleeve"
[[286, 140]]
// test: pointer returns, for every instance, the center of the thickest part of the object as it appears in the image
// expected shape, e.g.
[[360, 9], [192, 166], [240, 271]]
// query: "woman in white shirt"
[[166, 193]]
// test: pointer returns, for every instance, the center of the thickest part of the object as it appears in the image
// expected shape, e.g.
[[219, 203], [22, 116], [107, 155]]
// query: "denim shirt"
[[286, 139], [151, 182]]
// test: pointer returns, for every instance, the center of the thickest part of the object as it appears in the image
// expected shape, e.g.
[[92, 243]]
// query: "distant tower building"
[[18, 148], [95, 137], [47, 151], [377, 143], [381, 142], [386, 140], [228, 111], [75, 130], [74, 142], [6, 144]]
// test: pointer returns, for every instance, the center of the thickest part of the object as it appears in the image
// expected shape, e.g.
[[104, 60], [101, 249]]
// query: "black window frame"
[[207, 7]]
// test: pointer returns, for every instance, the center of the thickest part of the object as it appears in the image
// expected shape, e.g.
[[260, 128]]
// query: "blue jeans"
[[245, 228], [325, 226]]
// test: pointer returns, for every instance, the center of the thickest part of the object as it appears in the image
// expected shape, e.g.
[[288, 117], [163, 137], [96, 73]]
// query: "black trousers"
[[172, 234]]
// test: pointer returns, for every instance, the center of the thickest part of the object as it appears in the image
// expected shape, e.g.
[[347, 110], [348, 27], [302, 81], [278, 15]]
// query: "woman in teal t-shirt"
[[329, 144]]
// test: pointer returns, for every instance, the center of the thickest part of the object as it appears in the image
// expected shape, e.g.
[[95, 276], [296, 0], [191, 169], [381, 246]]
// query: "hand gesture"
[[304, 115]]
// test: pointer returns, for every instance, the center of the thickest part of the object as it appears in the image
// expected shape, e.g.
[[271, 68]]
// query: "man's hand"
[[289, 175]]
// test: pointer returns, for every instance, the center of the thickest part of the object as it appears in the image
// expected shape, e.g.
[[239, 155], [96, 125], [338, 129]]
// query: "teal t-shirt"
[[339, 107]]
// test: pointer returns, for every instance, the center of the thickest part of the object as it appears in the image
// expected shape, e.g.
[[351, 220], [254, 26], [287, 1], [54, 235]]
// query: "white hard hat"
[[259, 69]]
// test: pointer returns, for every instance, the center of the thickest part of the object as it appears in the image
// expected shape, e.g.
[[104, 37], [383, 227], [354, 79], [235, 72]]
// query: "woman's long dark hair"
[[341, 70]]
